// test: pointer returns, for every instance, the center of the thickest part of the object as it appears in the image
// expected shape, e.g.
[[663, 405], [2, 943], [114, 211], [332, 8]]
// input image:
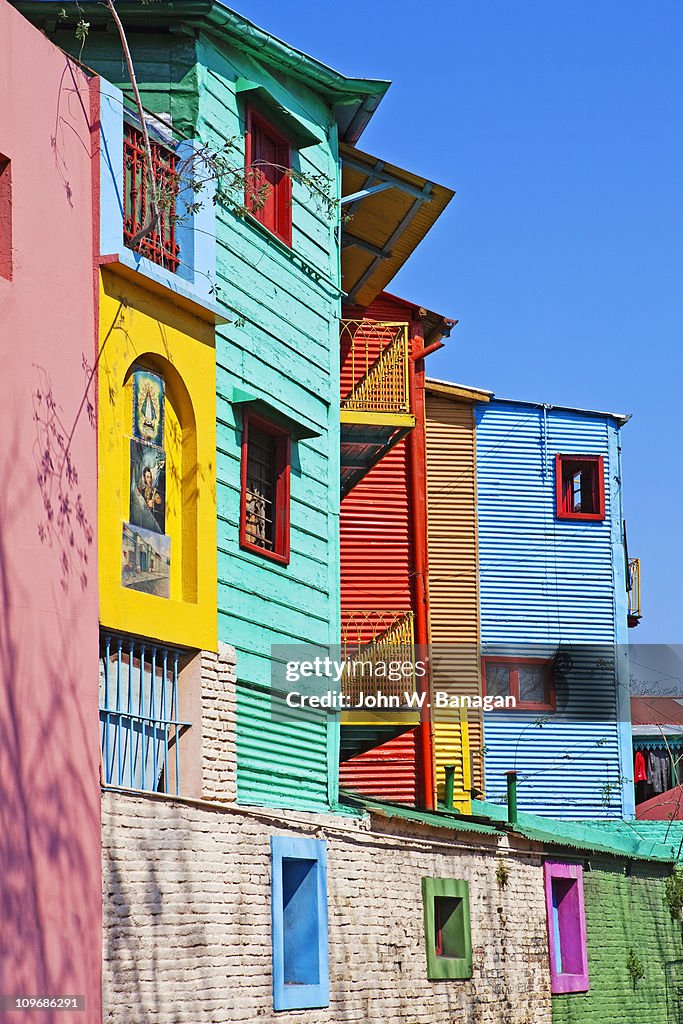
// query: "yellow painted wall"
[[142, 328]]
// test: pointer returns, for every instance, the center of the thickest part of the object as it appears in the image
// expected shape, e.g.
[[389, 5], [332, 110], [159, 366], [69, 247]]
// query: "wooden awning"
[[388, 212]]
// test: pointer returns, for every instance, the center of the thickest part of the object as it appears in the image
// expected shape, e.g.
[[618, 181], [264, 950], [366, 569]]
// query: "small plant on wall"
[[502, 874], [634, 966], [673, 893]]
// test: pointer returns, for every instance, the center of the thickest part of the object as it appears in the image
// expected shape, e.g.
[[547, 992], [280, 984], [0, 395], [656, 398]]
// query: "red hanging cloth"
[[639, 773]]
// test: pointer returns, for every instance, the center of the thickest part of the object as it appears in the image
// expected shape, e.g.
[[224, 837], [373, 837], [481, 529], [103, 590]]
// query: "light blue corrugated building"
[[554, 608]]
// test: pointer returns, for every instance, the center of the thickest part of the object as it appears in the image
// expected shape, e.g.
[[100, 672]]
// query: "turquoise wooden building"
[[221, 81]]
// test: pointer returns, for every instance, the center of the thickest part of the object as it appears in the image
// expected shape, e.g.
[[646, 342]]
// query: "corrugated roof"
[[667, 833], [618, 838], [451, 389], [646, 710], [640, 840], [620, 417], [664, 807], [385, 227], [438, 819], [436, 325]]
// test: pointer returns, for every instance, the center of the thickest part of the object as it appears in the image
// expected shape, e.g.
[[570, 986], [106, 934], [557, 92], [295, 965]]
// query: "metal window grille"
[[140, 725], [261, 487], [159, 245]]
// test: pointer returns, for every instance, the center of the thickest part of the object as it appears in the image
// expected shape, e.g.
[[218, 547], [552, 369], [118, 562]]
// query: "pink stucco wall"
[[50, 895]]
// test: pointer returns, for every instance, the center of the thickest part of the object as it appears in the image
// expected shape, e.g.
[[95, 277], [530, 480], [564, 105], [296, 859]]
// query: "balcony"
[[375, 408], [371, 641], [634, 612]]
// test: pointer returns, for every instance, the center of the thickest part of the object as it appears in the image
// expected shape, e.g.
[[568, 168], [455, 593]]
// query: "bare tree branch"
[[154, 197]]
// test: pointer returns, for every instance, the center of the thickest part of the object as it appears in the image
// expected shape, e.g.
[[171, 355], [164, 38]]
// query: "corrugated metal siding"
[[453, 575], [376, 572], [376, 554], [547, 583], [387, 772]]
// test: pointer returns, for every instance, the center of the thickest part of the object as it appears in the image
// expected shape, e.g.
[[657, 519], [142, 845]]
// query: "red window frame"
[[565, 467], [550, 702], [276, 213], [282, 462]]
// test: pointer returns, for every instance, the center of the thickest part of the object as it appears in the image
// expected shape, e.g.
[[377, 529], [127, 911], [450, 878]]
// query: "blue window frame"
[[301, 977]]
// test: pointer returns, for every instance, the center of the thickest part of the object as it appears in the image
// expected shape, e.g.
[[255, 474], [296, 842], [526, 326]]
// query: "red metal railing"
[[159, 245]]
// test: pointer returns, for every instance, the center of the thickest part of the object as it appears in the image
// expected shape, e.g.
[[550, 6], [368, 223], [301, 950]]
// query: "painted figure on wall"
[[147, 486], [148, 407]]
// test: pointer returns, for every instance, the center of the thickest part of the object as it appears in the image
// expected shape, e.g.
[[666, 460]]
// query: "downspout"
[[416, 450], [512, 798]]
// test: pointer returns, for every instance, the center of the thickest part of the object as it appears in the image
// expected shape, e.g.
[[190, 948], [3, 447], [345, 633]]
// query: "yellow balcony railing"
[[374, 645], [374, 358], [634, 588]]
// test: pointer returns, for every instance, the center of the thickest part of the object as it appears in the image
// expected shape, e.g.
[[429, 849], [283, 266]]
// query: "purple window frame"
[[566, 927]]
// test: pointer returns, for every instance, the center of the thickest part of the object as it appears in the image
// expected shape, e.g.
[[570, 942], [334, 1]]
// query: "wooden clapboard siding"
[[453, 574], [284, 347]]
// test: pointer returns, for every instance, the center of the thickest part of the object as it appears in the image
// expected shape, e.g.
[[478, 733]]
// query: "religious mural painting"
[[147, 486], [148, 407], [146, 549]]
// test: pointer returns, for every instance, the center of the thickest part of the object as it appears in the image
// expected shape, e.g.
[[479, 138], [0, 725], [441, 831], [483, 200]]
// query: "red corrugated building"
[[384, 545]]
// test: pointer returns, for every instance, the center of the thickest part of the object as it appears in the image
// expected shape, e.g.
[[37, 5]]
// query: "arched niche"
[[181, 478]]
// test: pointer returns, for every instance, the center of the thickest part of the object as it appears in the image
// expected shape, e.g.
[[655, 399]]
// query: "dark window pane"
[[532, 684], [260, 496], [497, 680], [449, 927]]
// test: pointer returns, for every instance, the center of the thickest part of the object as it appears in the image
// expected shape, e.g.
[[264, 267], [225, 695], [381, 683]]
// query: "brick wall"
[[627, 912], [218, 724], [187, 918]]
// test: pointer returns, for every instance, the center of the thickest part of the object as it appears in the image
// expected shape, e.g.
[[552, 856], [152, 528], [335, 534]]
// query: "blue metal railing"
[[140, 725]]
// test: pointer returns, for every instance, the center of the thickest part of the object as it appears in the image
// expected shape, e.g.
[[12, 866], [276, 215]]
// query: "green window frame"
[[448, 935]]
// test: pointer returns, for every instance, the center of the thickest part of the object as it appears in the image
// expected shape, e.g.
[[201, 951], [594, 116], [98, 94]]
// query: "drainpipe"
[[449, 772], [416, 450], [512, 797]]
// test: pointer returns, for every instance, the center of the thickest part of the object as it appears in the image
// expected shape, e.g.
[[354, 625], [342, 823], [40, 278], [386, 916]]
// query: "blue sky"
[[559, 126]]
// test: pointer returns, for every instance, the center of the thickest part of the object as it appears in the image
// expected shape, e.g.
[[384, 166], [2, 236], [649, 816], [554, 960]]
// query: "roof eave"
[[354, 100], [449, 389], [618, 417]]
